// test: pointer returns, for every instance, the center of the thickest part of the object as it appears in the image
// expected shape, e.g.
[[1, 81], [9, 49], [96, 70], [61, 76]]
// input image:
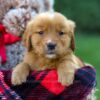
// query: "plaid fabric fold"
[[43, 85]]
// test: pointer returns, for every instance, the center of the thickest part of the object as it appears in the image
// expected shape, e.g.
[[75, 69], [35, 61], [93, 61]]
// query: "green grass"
[[88, 48]]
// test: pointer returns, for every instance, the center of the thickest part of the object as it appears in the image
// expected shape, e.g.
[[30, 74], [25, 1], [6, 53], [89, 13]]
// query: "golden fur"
[[48, 27]]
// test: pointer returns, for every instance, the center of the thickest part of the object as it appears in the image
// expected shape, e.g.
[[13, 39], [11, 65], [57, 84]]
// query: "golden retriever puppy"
[[49, 39]]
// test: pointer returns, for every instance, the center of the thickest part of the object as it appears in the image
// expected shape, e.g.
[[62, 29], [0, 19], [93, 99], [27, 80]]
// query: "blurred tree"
[[86, 13]]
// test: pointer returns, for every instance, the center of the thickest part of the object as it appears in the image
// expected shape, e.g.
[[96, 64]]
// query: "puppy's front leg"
[[20, 73], [66, 73]]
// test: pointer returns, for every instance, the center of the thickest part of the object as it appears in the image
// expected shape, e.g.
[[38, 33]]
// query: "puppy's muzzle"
[[51, 46]]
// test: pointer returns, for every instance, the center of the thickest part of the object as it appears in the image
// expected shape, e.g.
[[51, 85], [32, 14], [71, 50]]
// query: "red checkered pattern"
[[44, 85]]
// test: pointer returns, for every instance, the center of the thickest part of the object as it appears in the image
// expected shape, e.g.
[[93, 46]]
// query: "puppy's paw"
[[66, 79], [18, 78]]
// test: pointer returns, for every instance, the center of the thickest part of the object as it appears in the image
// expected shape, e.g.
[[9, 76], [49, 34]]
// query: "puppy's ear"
[[71, 31], [72, 45], [27, 38]]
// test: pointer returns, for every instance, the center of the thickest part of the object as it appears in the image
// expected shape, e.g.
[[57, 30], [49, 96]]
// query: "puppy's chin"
[[51, 56]]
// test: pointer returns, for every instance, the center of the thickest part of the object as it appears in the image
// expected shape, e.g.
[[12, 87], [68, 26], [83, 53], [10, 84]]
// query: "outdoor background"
[[86, 14]]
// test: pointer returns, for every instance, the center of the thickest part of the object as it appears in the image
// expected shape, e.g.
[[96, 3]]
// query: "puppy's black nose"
[[51, 46]]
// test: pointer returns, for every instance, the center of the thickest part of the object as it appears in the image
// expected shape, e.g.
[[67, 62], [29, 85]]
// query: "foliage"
[[88, 49], [86, 13]]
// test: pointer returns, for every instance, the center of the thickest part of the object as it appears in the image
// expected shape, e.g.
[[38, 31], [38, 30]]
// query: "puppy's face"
[[50, 35]]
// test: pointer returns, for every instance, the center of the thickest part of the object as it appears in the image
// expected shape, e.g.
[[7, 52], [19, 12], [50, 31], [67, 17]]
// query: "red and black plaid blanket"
[[43, 85]]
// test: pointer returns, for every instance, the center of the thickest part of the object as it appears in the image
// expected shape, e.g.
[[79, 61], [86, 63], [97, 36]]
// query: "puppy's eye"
[[61, 33], [41, 32]]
